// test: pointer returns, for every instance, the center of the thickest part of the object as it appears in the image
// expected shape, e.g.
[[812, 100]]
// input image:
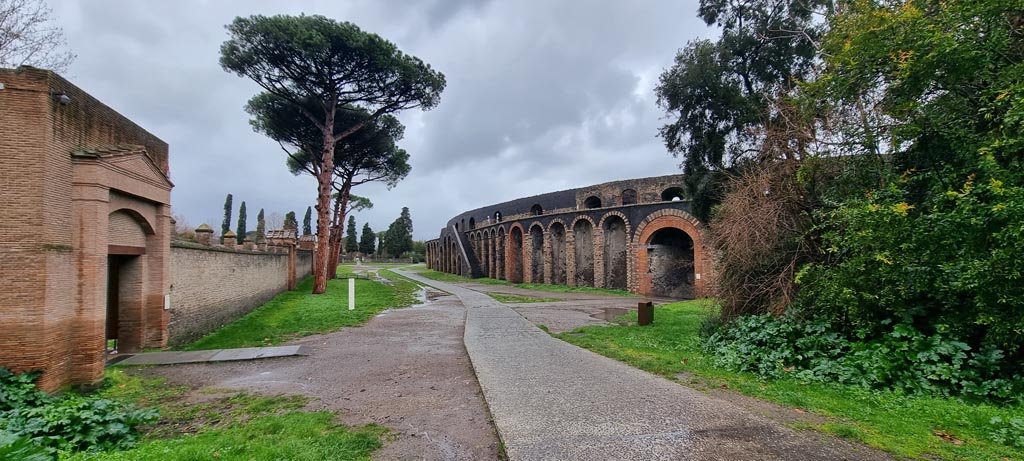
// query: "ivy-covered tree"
[[327, 68], [307, 228], [225, 225], [367, 240], [718, 93], [240, 232], [351, 239]]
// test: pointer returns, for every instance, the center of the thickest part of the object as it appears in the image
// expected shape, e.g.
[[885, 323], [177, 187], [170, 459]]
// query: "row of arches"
[[583, 253]]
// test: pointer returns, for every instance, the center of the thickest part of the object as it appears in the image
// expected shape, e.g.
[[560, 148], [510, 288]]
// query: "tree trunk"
[[323, 206], [340, 210]]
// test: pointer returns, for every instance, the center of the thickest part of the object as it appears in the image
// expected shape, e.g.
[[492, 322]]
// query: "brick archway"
[[514, 249], [674, 219]]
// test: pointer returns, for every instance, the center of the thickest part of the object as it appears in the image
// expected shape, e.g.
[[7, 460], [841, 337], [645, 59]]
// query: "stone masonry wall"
[[212, 286]]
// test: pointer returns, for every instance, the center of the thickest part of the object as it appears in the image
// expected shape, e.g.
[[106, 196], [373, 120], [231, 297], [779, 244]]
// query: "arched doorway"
[[557, 233], [515, 254], [592, 202], [583, 235], [537, 254], [673, 194], [128, 236], [614, 230], [670, 263]]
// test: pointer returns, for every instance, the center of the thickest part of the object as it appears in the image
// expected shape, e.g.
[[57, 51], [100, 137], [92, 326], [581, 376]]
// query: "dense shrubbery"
[[70, 422]]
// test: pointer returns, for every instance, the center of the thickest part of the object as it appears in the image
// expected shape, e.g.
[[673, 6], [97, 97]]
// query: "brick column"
[[90, 205], [204, 235], [570, 257]]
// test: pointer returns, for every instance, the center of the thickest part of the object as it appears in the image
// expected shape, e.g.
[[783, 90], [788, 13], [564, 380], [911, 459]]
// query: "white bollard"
[[351, 294]]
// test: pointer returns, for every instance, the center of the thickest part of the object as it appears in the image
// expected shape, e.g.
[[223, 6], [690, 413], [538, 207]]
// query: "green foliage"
[[261, 228], [241, 223], [290, 222], [367, 240], [716, 94], [1009, 431], [307, 227], [70, 422], [351, 239], [398, 237], [19, 447], [225, 225]]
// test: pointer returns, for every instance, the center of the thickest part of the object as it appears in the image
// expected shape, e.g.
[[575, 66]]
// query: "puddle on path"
[[608, 314]]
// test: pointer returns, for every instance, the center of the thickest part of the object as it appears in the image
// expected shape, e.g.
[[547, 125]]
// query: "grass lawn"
[[234, 426], [446, 277], [911, 427], [297, 313], [518, 299]]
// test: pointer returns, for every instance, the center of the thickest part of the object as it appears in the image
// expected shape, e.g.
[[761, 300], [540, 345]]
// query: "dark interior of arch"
[[537, 255], [615, 253], [672, 194], [628, 197], [536, 210], [558, 254], [472, 223], [515, 241], [670, 260], [499, 252], [592, 202], [583, 234]]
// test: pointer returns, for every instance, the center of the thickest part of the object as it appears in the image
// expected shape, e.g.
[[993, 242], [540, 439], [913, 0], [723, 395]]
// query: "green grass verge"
[[518, 299], [297, 313], [236, 426], [910, 427], [446, 277]]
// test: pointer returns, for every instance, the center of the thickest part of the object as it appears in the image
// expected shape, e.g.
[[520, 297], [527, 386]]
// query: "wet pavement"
[[552, 400]]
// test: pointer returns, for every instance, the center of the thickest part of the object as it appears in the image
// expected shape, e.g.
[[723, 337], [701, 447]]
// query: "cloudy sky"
[[542, 95]]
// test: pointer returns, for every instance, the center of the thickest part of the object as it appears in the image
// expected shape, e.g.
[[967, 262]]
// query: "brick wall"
[[212, 286]]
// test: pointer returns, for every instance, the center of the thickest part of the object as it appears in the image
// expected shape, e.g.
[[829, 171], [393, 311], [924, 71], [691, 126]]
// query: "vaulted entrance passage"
[[127, 277], [670, 264], [614, 253], [499, 253], [558, 254], [537, 254], [515, 254], [583, 235]]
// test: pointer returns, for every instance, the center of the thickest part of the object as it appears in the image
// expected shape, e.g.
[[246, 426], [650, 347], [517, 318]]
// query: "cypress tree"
[[290, 222], [351, 240], [367, 241], [241, 223], [261, 227], [225, 226], [307, 228]]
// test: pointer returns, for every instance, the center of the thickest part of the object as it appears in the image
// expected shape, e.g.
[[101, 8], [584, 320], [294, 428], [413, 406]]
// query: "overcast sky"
[[542, 96]]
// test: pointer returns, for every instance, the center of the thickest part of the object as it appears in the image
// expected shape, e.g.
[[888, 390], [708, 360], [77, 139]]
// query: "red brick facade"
[[83, 186]]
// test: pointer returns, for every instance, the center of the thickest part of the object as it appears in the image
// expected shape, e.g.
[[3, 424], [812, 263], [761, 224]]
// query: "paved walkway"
[[552, 400], [213, 355]]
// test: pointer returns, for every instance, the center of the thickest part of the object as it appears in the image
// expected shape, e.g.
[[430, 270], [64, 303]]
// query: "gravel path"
[[552, 400], [405, 369]]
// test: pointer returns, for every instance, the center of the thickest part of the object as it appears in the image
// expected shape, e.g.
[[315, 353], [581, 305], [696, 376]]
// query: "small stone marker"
[[645, 313], [351, 294]]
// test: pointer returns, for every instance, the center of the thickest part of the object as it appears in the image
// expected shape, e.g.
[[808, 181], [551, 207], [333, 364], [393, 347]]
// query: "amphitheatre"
[[635, 234]]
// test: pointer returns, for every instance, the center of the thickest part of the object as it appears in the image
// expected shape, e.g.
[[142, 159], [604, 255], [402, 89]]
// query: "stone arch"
[[491, 256], [536, 209], [673, 194], [514, 252], [472, 223], [614, 238], [592, 202], [497, 216], [536, 253], [556, 233], [645, 233], [583, 254], [629, 196]]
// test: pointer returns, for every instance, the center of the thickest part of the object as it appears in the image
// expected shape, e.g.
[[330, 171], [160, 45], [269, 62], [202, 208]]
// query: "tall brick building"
[[84, 230]]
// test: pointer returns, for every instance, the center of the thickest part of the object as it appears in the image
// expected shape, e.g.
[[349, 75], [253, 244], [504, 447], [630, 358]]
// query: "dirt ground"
[[405, 369]]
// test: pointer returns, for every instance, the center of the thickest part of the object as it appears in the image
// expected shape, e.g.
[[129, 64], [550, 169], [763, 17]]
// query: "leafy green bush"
[[1007, 432], [68, 422], [902, 359]]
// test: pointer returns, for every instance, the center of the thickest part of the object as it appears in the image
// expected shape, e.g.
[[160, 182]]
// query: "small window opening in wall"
[[456, 227], [672, 194], [592, 202], [536, 210], [497, 216], [628, 197], [472, 223]]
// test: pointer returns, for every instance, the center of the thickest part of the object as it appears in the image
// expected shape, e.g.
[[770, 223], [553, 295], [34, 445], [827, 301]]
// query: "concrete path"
[[214, 355], [552, 400]]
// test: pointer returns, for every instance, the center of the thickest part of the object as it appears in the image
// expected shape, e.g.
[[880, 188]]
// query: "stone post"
[[204, 235], [230, 240], [249, 244]]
